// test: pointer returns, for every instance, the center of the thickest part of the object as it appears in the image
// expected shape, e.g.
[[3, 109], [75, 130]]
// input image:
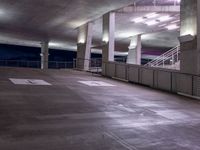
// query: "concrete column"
[[44, 55], [134, 53], [108, 37], [190, 37], [84, 46]]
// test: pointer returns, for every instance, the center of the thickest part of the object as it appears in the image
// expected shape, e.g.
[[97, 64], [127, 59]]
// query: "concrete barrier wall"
[[184, 84], [147, 77], [121, 71], [163, 79], [133, 74], [110, 69], [196, 86]]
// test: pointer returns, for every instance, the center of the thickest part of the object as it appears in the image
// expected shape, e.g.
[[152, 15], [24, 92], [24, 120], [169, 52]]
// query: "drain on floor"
[[95, 83], [29, 82]]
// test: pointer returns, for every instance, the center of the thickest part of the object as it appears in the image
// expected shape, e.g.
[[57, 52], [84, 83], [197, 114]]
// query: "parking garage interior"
[[99, 75]]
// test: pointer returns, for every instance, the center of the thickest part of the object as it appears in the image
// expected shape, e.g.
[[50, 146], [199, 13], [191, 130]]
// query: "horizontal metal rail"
[[169, 58]]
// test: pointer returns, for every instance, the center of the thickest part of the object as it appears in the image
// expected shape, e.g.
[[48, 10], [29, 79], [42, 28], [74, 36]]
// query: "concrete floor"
[[72, 116]]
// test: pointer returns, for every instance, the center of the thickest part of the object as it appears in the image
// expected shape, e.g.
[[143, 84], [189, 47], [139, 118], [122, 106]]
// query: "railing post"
[[177, 50], [173, 62], [163, 61]]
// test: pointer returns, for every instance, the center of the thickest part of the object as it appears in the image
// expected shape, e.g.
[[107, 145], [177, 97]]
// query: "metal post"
[[177, 50], [163, 61], [173, 62]]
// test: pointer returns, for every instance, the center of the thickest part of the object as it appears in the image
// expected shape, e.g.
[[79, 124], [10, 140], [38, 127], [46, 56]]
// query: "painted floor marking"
[[28, 81], [120, 141], [95, 83]]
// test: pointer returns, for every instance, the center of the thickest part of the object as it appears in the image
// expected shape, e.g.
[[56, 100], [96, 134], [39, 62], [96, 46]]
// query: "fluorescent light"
[[138, 20], [152, 15], [105, 38], [172, 27], [81, 41], [175, 21], [151, 23], [162, 25], [164, 18]]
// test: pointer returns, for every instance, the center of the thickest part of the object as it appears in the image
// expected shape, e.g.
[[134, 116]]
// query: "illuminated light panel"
[[81, 38], [54, 44], [105, 37], [151, 23], [172, 27], [138, 20], [152, 15], [81, 41], [175, 21], [162, 25], [164, 18]]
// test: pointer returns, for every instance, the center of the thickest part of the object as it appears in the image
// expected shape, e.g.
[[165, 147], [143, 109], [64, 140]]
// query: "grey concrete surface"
[[72, 116], [28, 22]]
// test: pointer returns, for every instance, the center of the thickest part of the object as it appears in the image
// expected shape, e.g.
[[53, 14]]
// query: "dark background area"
[[14, 52], [25, 53]]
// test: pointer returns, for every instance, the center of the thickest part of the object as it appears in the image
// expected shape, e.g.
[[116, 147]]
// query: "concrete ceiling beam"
[[160, 9]]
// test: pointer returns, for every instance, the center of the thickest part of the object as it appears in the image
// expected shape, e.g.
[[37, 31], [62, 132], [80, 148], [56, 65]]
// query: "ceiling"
[[28, 22]]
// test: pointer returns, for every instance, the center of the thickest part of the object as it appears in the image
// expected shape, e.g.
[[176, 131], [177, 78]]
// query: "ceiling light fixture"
[[164, 18], [152, 15], [151, 23], [138, 20], [175, 21], [172, 27], [162, 25]]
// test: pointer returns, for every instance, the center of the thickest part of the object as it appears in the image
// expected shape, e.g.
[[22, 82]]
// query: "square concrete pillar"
[[84, 46], [44, 55], [134, 53], [108, 38], [190, 37]]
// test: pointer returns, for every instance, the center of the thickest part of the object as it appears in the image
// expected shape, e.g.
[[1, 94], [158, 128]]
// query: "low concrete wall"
[[133, 74], [147, 77], [163, 79], [121, 71]]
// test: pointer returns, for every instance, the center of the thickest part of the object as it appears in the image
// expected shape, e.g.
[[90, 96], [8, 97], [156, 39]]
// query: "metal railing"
[[61, 64], [20, 63], [121, 59], [170, 59], [35, 64], [93, 65]]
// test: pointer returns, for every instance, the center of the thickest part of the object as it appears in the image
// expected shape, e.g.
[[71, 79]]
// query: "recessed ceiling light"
[[138, 20], [164, 18], [152, 15], [151, 23], [172, 27], [162, 25], [175, 21]]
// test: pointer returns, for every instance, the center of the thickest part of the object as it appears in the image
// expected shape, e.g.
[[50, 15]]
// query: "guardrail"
[[159, 78], [92, 65], [35, 64], [20, 63], [169, 59]]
